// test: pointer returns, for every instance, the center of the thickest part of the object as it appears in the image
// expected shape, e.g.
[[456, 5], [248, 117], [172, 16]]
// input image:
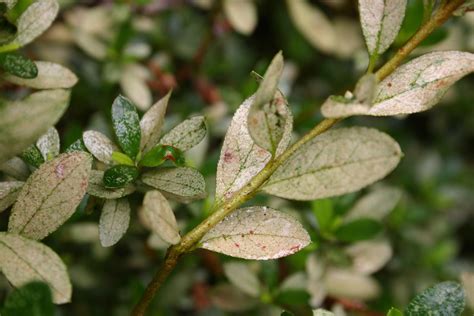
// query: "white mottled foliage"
[[48, 144], [16, 168], [229, 298], [240, 275], [50, 76], [381, 21], [133, 82], [24, 260], [99, 145], [241, 159], [9, 191], [322, 312], [35, 20], [369, 256], [242, 15], [257, 233], [183, 183], [96, 187], [114, 221], [50, 195], [337, 162], [152, 122], [362, 287], [159, 217], [187, 134], [23, 121], [376, 205]]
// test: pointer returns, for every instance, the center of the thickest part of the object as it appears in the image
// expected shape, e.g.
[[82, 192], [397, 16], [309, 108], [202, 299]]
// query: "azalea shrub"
[[249, 157]]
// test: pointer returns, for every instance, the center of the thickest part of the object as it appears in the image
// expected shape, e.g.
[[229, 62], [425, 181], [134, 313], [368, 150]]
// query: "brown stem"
[[221, 210]]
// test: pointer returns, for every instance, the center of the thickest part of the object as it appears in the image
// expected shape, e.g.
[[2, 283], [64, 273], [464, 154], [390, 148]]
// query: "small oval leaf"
[[257, 233], [99, 145], [18, 65], [242, 277], [152, 122], [242, 15], [114, 221], [119, 176], [126, 126], [187, 134], [8, 193], [48, 144], [97, 188]]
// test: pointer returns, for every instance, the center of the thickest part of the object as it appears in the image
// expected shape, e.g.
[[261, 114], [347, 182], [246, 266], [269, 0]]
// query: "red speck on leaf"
[[59, 171], [237, 245], [228, 156], [295, 248]]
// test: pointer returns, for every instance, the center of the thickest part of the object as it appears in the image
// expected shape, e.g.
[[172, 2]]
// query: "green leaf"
[[119, 176], [126, 126], [443, 299], [97, 188], [50, 195], [122, 159], [160, 153], [18, 65], [7, 29], [32, 299], [323, 210], [337, 162], [78, 145], [394, 312], [23, 122], [32, 156], [187, 134], [182, 184], [23, 260], [359, 229]]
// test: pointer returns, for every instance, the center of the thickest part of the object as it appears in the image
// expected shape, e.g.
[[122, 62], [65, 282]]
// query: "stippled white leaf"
[[381, 20], [241, 159], [99, 145], [242, 277], [24, 260], [242, 15], [16, 168], [152, 122], [362, 287], [269, 116], [35, 20], [50, 76], [8, 193], [257, 233], [322, 312], [369, 256], [96, 187], [22, 122], [338, 106], [133, 83], [159, 217], [50, 195], [48, 144], [467, 279], [313, 25], [421, 83], [182, 184], [114, 221], [376, 205], [187, 134], [229, 298], [337, 162]]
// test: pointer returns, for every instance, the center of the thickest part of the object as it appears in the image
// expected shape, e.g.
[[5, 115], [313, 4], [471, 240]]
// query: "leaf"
[[421, 83], [33, 298], [18, 65], [376, 205], [442, 299], [381, 21], [15, 168], [337, 162], [229, 298], [242, 277], [159, 217], [22, 122], [114, 221], [161, 153], [322, 312], [133, 81], [48, 144], [257, 233], [99, 145], [97, 188], [35, 20], [126, 126], [313, 25], [242, 15], [369, 256], [359, 229], [78, 145], [187, 134], [32, 155], [49, 76], [241, 159], [152, 122], [122, 159], [8, 193], [119, 176], [50, 195], [361, 287], [269, 116], [182, 184], [323, 210], [338, 107], [24, 260], [467, 279], [394, 312]]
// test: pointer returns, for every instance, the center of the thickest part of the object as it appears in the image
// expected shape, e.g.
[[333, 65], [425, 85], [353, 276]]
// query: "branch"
[[221, 210]]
